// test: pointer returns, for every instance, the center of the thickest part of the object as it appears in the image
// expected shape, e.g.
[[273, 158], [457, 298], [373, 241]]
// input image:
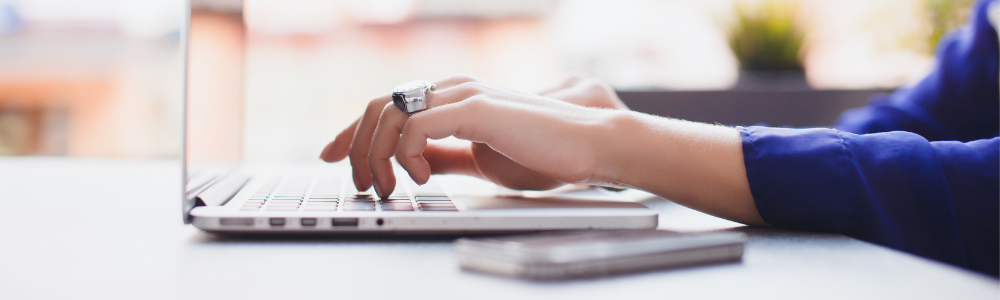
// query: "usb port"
[[345, 222], [308, 221], [277, 221], [236, 221]]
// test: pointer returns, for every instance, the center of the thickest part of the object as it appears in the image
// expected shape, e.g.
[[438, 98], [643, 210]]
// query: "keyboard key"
[[321, 208], [359, 200], [433, 198], [439, 208], [282, 207], [355, 206], [395, 201], [435, 202], [314, 202], [397, 207], [435, 205]]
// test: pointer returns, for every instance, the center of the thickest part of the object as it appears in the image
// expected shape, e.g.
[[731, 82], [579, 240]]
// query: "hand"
[[477, 159], [526, 141], [586, 92]]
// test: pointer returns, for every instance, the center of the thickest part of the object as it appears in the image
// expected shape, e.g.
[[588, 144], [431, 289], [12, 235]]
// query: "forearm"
[[694, 164]]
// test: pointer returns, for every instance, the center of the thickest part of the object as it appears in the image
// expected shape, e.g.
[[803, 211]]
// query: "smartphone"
[[575, 254]]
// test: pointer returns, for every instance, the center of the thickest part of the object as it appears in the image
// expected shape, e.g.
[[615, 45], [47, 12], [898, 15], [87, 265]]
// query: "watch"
[[412, 97]]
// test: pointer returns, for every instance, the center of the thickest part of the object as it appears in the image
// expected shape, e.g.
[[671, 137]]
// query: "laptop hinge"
[[221, 191]]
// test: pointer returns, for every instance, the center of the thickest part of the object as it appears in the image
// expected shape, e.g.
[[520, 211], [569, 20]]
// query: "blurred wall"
[[102, 77], [89, 78]]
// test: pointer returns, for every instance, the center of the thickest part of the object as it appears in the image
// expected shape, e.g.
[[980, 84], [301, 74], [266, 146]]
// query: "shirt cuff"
[[800, 178]]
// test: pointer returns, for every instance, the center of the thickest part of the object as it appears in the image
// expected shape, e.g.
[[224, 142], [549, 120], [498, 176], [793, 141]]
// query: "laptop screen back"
[[213, 99]]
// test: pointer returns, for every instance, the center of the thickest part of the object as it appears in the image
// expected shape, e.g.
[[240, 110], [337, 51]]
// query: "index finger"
[[338, 148]]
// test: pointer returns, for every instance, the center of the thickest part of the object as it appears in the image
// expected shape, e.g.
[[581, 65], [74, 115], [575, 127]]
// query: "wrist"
[[618, 135], [693, 164]]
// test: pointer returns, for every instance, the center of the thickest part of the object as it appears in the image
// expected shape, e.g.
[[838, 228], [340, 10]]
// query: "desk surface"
[[112, 228]]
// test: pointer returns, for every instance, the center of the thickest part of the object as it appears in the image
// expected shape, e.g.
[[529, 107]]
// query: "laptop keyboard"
[[327, 193]]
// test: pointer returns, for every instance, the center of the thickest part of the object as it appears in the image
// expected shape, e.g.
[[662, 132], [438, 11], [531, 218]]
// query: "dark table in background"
[[792, 108]]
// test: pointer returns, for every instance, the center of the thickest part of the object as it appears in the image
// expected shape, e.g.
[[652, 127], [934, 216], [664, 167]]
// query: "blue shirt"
[[917, 170]]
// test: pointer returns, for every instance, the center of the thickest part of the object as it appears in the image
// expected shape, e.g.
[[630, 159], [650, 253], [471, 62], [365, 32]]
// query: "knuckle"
[[388, 107], [401, 154], [476, 102], [471, 86], [462, 78], [375, 104], [356, 153], [412, 123], [373, 156], [596, 85]]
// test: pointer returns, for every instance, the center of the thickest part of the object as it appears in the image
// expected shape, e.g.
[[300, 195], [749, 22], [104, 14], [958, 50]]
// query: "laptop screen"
[[213, 99]]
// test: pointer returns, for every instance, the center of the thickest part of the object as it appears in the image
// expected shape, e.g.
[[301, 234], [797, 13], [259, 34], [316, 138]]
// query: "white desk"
[[84, 228]]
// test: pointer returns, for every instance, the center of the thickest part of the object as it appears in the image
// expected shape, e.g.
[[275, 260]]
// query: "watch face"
[[412, 86]]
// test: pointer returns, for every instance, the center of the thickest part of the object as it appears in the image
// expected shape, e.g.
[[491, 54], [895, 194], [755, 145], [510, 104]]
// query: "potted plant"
[[767, 41]]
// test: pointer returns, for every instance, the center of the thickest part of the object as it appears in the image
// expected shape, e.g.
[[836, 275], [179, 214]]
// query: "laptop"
[[224, 194]]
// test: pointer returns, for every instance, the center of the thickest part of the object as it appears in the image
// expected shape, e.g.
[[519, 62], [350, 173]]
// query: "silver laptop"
[[224, 194]]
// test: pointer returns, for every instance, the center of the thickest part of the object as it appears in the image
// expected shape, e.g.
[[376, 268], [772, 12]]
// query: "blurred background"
[[104, 77]]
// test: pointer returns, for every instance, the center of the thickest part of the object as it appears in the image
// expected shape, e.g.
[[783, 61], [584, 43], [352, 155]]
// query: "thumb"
[[449, 158]]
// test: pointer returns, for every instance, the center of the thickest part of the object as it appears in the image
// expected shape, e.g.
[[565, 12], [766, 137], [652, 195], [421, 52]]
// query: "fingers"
[[587, 92], [386, 134], [361, 143], [451, 159], [390, 124], [339, 147], [572, 80], [501, 170], [456, 79], [355, 142], [437, 123]]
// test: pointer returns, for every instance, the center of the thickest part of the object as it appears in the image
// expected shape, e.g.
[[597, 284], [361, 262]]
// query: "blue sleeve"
[[934, 199], [958, 100]]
